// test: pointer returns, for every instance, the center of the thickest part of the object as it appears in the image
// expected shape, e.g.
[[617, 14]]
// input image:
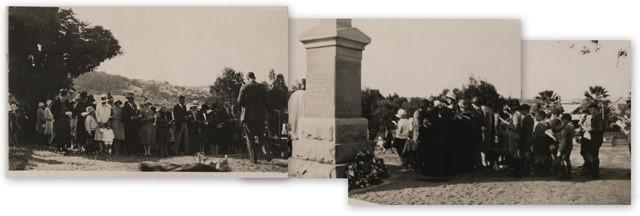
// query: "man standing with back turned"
[[254, 102]]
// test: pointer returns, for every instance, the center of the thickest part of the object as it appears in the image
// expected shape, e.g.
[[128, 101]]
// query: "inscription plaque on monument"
[[332, 129]]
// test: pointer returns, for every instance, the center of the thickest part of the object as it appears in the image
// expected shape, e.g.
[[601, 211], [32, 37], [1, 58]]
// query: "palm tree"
[[596, 93], [547, 100], [598, 96]]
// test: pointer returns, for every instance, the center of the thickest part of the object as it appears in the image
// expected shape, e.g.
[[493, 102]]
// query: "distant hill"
[[160, 93]]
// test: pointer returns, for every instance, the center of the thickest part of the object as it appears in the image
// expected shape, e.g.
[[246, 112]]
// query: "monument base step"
[[311, 169], [299, 168]]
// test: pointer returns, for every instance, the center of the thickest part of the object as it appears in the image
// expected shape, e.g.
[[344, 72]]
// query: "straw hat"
[[437, 103], [194, 104], [104, 98], [401, 113]]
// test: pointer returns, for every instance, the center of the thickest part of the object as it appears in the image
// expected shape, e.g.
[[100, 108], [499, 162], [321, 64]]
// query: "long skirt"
[[162, 139], [146, 134], [118, 129], [62, 131], [48, 127]]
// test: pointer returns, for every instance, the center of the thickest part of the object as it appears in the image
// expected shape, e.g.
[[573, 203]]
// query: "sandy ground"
[[489, 187], [37, 158]]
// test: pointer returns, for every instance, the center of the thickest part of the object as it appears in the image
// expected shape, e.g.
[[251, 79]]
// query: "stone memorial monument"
[[332, 129]]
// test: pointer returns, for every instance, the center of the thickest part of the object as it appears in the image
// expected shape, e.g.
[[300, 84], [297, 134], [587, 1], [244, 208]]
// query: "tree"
[[484, 90], [48, 47], [370, 103], [414, 104], [226, 87], [547, 100], [597, 96]]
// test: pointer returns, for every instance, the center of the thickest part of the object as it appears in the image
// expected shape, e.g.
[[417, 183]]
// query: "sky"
[[421, 57], [190, 46], [560, 66]]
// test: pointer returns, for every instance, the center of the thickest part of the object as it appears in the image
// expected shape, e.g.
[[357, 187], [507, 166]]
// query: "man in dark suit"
[[542, 154], [130, 118], [526, 132], [254, 102], [225, 127], [598, 126], [180, 117]]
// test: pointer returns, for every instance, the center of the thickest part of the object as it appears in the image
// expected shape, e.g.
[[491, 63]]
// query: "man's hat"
[[251, 75], [401, 113], [104, 98]]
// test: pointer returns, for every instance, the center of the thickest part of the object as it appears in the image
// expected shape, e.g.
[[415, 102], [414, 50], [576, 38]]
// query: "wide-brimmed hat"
[[401, 113], [103, 98], [89, 109], [436, 103]]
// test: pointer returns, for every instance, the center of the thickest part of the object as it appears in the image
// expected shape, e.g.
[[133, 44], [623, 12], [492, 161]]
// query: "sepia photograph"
[[565, 141], [127, 91], [368, 79]]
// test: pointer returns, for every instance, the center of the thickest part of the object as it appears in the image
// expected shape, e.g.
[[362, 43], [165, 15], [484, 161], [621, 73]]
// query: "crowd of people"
[[100, 124], [449, 136]]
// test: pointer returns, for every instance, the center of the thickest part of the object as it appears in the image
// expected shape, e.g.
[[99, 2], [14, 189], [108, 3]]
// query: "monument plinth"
[[332, 129]]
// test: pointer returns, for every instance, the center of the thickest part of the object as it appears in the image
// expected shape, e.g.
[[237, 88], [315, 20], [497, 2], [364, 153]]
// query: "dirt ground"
[[32, 157], [489, 187]]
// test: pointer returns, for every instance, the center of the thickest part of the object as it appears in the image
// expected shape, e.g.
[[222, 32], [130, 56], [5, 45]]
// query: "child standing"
[[107, 137], [90, 125]]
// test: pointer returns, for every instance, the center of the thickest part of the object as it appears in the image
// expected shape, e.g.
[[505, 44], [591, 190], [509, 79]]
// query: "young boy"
[[90, 125], [107, 137]]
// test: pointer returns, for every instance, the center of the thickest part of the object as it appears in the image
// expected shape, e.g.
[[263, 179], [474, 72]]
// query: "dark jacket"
[[538, 135], [278, 98], [566, 139], [180, 114], [254, 101], [129, 112], [526, 133]]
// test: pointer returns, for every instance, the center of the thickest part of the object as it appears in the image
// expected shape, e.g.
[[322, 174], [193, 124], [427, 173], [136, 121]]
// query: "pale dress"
[[107, 136]]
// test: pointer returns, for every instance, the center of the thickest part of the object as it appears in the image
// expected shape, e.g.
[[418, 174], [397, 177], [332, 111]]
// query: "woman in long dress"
[[61, 110], [410, 149], [117, 125], [146, 128], [40, 123], [47, 131], [14, 125], [509, 126], [163, 131]]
